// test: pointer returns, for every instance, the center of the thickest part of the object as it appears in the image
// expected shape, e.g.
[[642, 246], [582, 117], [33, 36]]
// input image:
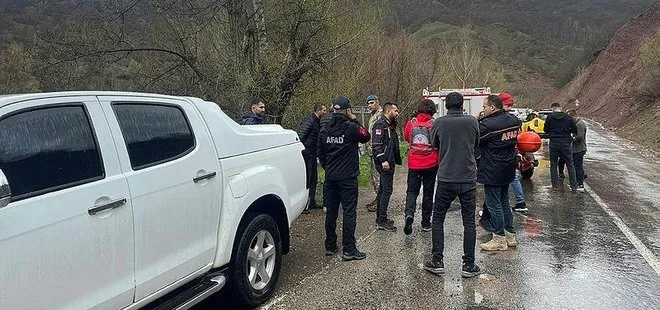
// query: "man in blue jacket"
[[256, 114], [559, 126]]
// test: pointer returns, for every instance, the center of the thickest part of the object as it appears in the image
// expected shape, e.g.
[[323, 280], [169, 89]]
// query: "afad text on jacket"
[[498, 134], [337, 147]]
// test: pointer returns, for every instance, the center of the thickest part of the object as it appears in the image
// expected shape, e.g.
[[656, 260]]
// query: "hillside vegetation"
[[621, 87], [301, 52]]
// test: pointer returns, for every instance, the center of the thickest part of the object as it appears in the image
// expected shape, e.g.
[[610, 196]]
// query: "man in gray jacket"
[[456, 137], [579, 149]]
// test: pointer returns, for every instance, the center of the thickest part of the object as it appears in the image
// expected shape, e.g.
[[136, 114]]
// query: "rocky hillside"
[[611, 90]]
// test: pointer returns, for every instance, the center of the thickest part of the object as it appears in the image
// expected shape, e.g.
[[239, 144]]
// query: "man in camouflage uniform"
[[376, 113]]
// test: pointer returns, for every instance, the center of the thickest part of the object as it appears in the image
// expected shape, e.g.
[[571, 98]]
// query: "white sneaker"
[[581, 189]]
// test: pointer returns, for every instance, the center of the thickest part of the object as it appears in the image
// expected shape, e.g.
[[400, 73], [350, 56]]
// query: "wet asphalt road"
[[577, 251]]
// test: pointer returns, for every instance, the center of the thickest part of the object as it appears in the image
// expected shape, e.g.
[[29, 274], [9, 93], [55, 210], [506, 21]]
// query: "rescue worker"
[[309, 134], [386, 155], [256, 114], [422, 165], [456, 137], [339, 156], [498, 132], [559, 127], [521, 205], [376, 113]]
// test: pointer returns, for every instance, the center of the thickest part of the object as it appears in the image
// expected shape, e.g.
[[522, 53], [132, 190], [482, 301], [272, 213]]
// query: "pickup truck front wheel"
[[256, 261]]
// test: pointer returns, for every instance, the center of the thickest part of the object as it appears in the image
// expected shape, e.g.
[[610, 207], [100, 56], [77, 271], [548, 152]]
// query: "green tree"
[[16, 68]]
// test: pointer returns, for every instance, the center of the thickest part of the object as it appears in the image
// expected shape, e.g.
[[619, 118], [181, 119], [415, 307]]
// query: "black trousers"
[[561, 150], [312, 170], [384, 193], [578, 162], [344, 192], [444, 195], [417, 179]]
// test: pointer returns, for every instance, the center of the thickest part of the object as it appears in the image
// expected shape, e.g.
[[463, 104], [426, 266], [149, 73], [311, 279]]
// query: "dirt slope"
[[606, 88]]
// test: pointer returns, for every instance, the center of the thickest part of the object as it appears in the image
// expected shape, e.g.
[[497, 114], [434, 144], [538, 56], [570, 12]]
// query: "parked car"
[[535, 122], [115, 200]]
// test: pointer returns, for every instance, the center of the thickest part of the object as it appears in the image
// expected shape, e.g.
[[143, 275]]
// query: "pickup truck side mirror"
[[5, 191]]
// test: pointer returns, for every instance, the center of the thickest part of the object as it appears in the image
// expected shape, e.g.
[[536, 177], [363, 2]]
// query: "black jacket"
[[385, 144], [559, 126], [309, 133], [249, 118], [498, 135], [338, 147]]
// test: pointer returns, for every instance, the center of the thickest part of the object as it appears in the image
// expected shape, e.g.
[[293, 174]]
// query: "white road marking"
[[648, 255]]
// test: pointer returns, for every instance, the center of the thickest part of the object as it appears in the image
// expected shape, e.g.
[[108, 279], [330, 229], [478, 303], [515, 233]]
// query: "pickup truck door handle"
[[106, 206], [204, 177]]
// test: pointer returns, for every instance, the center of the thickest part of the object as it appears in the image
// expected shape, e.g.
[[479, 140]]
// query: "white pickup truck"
[[115, 200]]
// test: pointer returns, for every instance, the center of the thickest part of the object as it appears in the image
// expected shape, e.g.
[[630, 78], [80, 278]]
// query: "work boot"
[[511, 239], [520, 207], [470, 270], [408, 228], [386, 225], [498, 243], [435, 267]]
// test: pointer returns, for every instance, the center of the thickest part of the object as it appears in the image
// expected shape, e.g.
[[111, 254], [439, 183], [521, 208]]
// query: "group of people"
[[450, 154], [568, 144], [444, 151]]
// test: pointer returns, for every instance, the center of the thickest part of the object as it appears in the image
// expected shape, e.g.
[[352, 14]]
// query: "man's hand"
[[386, 166], [351, 115]]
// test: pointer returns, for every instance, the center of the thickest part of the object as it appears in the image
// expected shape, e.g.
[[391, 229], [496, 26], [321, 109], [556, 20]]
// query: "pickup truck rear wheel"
[[256, 261]]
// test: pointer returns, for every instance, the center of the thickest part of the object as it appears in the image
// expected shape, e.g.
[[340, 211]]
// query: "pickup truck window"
[[48, 149], [153, 133]]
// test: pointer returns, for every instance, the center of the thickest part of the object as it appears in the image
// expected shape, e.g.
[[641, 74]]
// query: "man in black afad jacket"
[[339, 157], [498, 132], [386, 155], [559, 126], [309, 135]]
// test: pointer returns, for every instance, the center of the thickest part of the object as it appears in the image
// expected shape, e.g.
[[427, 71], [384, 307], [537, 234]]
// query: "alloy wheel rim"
[[260, 261]]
